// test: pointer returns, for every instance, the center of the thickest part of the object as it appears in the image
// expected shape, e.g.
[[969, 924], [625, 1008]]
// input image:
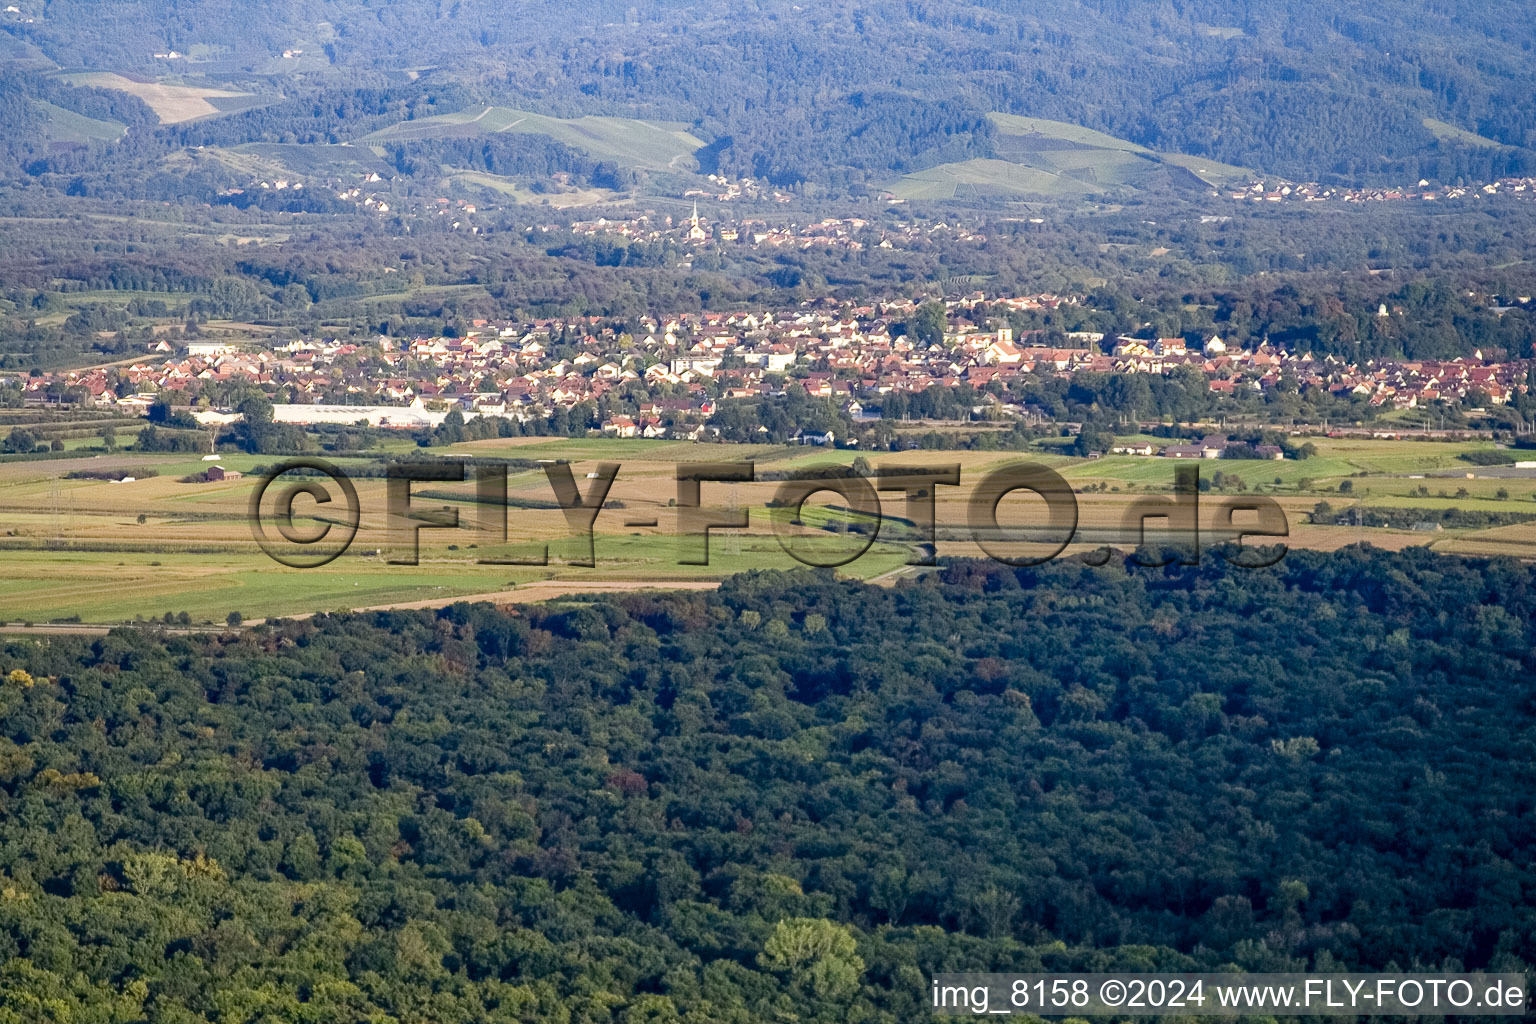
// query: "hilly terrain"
[[846, 96], [64, 125], [656, 146], [172, 102], [1036, 157]]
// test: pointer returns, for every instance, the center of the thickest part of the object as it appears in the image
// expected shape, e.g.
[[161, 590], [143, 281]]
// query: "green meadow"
[[110, 552]]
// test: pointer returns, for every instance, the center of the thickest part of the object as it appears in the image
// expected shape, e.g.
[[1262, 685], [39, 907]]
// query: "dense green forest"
[[519, 156], [793, 799], [839, 94]]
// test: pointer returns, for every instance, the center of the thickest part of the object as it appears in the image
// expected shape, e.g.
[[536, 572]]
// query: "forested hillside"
[[839, 94], [792, 799]]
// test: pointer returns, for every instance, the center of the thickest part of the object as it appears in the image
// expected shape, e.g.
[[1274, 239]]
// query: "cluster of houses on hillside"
[[358, 192], [1312, 192], [1391, 384], [851, 234], [722, 188], [664, 378], [1212, 446]]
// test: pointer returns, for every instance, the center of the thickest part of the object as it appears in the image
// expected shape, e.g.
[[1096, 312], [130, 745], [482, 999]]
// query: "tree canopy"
[[797, 794]]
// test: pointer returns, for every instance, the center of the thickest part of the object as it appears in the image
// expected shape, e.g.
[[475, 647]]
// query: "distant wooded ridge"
[[841, 95]]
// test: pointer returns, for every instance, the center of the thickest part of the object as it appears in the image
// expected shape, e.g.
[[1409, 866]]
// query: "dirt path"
[[531, 592], [87, 629], [888, 579], [544, 590]]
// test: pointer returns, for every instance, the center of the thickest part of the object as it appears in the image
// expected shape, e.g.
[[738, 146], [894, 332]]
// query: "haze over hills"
[[1359, 92]]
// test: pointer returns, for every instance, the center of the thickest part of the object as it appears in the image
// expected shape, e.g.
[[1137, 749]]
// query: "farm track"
[[530, 593]]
